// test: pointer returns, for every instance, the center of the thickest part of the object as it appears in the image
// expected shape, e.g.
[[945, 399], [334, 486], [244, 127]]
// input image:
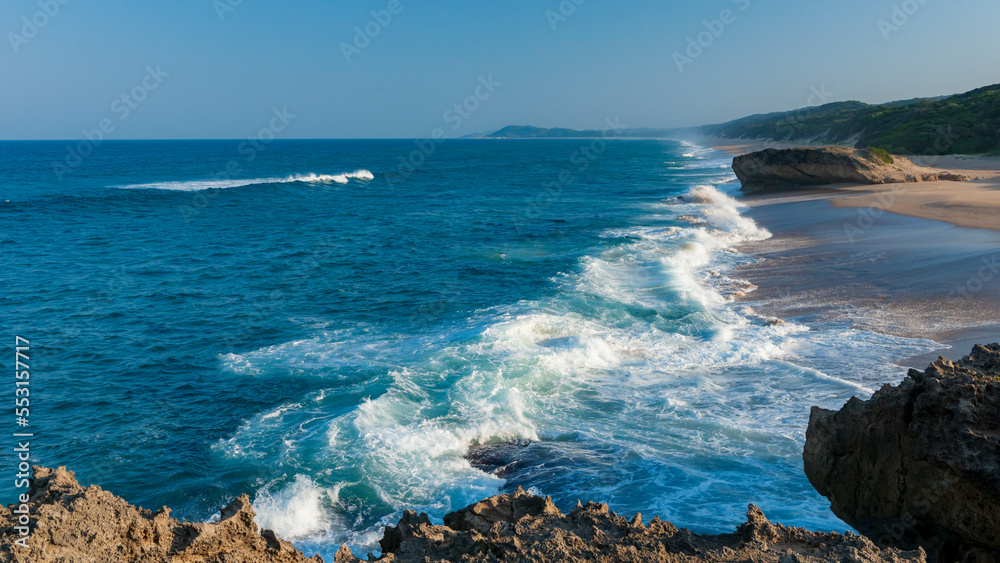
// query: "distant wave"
[[197, 185], [335, 178]]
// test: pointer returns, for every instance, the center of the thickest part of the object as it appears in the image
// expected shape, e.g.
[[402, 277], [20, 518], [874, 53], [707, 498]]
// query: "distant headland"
[[960, 124]]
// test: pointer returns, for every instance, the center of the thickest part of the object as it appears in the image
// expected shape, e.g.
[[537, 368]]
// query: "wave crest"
[[198, 185]]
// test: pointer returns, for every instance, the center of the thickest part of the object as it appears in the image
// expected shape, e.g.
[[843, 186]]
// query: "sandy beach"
[[913, 260], [974, 204]]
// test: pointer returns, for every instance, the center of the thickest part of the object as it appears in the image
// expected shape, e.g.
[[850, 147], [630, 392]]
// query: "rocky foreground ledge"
[[72, 524], [523, 527], [915, 468], [776, 169], [918, 464]]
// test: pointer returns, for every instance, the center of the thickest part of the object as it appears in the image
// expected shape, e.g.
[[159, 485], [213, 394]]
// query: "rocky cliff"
[[918, 464], [775, 169], [522, 527], [72, 524], [916, 468]]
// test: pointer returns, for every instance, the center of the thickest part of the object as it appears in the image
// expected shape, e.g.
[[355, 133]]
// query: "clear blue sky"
[[607, 59]]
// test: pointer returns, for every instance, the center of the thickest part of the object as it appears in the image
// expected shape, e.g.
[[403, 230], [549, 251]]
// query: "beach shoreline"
[[919, 260], [974, 203]]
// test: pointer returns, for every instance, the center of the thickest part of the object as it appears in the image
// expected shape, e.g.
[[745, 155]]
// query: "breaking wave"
[[198, 185]]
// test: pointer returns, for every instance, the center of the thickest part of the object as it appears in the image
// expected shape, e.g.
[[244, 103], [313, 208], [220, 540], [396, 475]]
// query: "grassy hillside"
[[963, 124]]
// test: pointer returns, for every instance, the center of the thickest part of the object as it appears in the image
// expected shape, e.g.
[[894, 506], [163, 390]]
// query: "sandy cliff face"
[[773, 169], [918, 463]]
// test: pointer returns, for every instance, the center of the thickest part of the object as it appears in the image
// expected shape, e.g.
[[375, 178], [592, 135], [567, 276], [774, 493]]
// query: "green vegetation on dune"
[[963, 124], [881, 154]]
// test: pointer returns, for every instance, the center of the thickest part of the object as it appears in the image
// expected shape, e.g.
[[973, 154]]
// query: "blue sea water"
[[304, 324]]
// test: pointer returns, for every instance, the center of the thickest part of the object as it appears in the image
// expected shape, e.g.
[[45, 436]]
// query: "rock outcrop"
[[775, 169], [72, 524], [524, 527], [918, 464], [916, 468]]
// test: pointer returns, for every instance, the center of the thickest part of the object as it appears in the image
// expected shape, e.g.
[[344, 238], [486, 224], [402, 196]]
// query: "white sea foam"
[[198, 185], [642, 351], [331, 178], [297, 510]]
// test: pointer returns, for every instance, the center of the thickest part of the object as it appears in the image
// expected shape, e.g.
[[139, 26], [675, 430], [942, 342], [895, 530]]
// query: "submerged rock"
[[499, 459], [788, 168], [918, 464], [72, 524]]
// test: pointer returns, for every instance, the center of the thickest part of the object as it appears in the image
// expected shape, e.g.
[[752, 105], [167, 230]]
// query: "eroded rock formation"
[[774, 169], [72, 524], [523, 527], [918, 464], [916, 468]]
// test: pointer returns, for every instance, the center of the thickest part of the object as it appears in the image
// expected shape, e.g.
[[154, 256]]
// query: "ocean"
[[328, 326]]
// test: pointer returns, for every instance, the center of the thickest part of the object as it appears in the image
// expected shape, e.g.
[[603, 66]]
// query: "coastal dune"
[[796, 167]]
